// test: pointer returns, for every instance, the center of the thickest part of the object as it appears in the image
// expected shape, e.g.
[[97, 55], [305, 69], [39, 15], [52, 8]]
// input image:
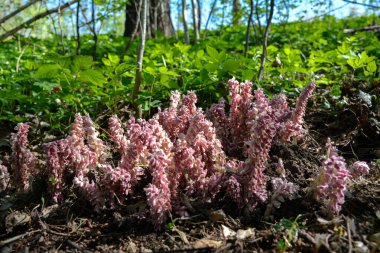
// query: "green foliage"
[[290, 235], [54, 87]]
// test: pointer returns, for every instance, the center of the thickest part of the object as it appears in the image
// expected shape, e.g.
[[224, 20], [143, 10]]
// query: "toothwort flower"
[[332, 181], [23, 160]]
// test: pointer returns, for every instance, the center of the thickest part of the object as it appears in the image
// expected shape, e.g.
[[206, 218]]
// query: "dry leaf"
[[206, 243], [243, 234]]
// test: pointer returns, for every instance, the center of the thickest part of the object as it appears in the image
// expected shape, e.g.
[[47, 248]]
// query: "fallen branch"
[[35, 18], [16, 238], [364, 29]]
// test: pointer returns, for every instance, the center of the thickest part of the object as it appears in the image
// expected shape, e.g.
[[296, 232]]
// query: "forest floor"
[[299, 225]]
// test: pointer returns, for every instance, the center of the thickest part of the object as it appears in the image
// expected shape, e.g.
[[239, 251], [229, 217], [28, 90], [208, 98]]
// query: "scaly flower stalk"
[[56, 167], [293, 126], [94, 143], [23, 160], [332, 182]]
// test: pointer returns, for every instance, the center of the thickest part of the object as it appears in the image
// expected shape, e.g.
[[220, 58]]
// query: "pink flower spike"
[[23, 160], [332, 181]]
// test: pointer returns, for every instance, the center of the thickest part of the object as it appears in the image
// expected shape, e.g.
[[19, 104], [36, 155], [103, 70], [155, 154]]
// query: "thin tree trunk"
[[258, 17], [209, 18], [77, 28], [184, 18], [153, 9], [95, 46], [247, 35], [199, 15], [60, 29], [131, 19], [139, 68], [265, 41], [235, 12], [195, 21], [132, 37], [35, 18], [14, 13]]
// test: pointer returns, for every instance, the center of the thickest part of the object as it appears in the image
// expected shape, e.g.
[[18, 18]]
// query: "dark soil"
[[75, 227]]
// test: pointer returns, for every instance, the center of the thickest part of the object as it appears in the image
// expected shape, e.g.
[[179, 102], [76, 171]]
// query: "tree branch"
[[35, 18], [14, 13], [362, 4]]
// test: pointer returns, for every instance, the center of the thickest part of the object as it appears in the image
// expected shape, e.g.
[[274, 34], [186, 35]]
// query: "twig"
[[349, 236], [76, 246], [16, 238]]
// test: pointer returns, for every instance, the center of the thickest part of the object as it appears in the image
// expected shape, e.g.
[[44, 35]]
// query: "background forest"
[[59, 58]]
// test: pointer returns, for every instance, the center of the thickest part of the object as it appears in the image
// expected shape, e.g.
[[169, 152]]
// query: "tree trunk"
[[139, 68], [164, 21], [236, 12], [132, 37], [184, 18], [195, 21], [248, 28], [257, 7], [199, 15], [95, 46], [208, 19], [265, 41], [130, 18], [77, 28], [159, 18]]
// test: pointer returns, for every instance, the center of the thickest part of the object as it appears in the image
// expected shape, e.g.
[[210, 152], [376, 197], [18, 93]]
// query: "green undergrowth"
[[46, 79]]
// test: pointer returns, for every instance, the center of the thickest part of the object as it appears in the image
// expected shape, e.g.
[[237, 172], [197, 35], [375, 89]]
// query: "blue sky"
[[339, 8]]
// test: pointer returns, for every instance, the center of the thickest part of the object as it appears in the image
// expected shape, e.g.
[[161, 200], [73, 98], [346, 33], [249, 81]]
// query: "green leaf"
[[106, 62], [212, 52], [122, 68], [47, 71], [352, 63], [200, 53], [371, 67], [83, 62], [114, 59], [247, 75], [211, 67], [230, 65], [93, 76]]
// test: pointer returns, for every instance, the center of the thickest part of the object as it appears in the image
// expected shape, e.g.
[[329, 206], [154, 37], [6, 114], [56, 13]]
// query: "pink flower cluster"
[[332, 182], [181, 147], [23, 160], [252, 126]]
